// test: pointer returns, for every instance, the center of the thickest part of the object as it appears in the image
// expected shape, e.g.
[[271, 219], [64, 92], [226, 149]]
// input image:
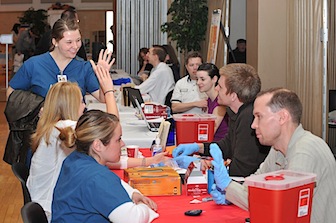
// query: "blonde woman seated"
[[86, 190]]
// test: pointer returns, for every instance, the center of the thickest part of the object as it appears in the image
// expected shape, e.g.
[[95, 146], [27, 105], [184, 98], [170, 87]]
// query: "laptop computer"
[[132, 94], [152, 126]]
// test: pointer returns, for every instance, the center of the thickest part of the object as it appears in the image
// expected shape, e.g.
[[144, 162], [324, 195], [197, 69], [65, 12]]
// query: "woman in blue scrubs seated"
[[86, 190], [38, 73]]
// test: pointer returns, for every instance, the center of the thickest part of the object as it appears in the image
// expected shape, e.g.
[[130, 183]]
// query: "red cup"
[[132, 151]]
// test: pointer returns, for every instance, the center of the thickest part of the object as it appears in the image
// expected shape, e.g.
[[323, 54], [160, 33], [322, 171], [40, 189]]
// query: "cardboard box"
[[194, 128], [155, 181], [281, 196], [195, 181]]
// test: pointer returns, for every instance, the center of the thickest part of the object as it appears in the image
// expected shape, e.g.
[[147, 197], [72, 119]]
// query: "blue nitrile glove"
[[184, 161], [221, 175], [185, 149], [218, 197]]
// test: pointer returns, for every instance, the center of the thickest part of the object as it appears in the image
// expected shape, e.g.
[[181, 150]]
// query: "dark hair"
[[193, 54], [143, 50], [16, 28], [210, 68], [171, 52], [284, 99]]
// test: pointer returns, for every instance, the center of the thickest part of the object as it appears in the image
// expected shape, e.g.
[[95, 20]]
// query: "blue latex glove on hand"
[[221, 175], [185, 149], [184, 161], [218, 197]]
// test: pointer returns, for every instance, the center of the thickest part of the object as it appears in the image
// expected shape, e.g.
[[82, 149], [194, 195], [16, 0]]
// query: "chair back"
[[168, 97], [32, 212], [21, 171]]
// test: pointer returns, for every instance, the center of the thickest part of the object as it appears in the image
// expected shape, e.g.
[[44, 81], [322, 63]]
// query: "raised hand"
[[104, 59]]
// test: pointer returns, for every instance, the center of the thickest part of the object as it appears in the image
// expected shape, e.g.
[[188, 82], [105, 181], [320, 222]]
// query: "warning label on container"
[[304, 196], [203, 132]]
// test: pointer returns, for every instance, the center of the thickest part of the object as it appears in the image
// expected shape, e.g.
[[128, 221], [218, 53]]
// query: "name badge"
[[62, 78]]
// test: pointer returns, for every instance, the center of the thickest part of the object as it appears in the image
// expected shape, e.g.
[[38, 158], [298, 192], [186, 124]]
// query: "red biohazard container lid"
[[280, 180], [194, 117]]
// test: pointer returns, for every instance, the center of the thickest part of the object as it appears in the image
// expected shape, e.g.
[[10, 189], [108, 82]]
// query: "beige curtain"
[[304, 59]]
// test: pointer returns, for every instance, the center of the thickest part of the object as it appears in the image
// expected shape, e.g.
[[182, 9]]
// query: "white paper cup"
[[132, 151]]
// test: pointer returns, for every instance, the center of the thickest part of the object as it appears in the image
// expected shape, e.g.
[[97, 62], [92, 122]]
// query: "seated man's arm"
[[178, 107], [237, 194]]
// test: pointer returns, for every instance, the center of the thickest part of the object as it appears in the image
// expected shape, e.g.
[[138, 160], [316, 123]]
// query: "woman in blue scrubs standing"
[[60, 64]]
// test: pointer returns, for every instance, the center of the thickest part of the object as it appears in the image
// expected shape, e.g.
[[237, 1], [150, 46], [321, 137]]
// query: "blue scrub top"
[[38, 73], [86, 191]]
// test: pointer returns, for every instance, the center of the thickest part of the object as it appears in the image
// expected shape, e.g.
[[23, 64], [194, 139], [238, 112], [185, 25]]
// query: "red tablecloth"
[[171, 208]]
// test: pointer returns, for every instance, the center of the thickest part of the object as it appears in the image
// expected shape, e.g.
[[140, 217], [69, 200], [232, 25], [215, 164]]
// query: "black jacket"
[[241, 144], [21, 112]]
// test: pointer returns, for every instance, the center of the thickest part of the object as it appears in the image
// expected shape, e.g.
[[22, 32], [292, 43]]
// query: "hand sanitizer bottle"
[[157, 148]]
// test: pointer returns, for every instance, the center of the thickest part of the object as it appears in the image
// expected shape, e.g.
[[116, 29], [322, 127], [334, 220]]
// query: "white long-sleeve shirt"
[[159, 84], [45, 167]]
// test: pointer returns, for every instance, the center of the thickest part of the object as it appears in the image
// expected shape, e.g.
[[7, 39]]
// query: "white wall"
[[237, 21], [272, 39]]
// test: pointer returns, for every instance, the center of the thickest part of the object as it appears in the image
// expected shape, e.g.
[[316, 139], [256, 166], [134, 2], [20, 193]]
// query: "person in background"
[[239, 53], [172, 61], [17, 62], [237, 88], [45, 43], [60, 64], [86, 190], [161, 80], [62, 108], [277, 122], [207, 78], [15, 31], [26, 42], [186, 97], [145, 66]]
